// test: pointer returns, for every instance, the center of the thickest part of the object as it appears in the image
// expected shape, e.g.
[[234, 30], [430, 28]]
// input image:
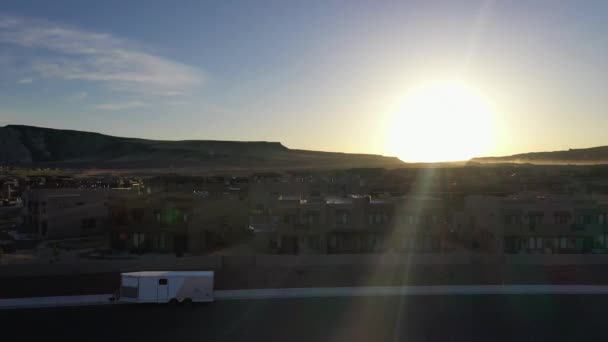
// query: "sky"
[[321, 75]]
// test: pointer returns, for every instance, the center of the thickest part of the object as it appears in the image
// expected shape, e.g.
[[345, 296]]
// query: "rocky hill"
[[28, 145]]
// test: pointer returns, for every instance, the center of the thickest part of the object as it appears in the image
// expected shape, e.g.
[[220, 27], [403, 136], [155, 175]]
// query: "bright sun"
[[445, 121]]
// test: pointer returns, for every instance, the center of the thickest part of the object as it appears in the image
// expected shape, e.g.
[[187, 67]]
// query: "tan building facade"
[[176, 222], [64, 213], [358, 224], [536, 223]]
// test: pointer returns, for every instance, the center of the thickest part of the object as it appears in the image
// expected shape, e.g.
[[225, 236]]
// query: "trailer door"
[[163, 290]]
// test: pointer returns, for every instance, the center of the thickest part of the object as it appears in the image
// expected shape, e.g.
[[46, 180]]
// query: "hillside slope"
[[593, 155], [27, 145]]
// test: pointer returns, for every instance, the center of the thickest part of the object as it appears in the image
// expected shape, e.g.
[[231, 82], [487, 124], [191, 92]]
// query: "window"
[[162, 281], [555, 243], [342, 217], [137, 214], [44, 228], [584, 219], [534, 219], [428, 243], [378, 218], [160, 242], [511, 219], [600, 241], [333, 242], [290, 219], [561, 218], [314, 242], [138, 239], [311, 217], [89, 223], [531, 243]]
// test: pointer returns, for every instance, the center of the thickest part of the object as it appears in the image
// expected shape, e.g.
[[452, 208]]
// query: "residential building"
[[150, 222], [358, 224], [63, 213], [538, 223], [176, 222]]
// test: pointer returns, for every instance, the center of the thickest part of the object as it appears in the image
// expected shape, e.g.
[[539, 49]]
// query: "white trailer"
[[166, 287]]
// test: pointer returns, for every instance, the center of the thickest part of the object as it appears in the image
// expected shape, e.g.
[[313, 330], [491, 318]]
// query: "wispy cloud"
[[24, 81], [78, 96], [73, 54], [121, 105]]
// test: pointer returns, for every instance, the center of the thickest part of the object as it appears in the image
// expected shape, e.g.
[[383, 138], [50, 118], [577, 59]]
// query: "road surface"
[[413, 318]]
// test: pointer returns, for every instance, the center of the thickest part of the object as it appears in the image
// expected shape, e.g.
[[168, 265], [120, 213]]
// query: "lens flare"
[[445, 121]]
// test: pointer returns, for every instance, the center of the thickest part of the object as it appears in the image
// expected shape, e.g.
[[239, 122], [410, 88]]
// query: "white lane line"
[[56, 301], [409, 291], [316, 292]]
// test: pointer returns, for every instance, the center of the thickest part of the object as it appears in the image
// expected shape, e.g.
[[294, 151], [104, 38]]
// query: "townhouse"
[[358, 224], [64, 213], [176, 222], [537, 223]]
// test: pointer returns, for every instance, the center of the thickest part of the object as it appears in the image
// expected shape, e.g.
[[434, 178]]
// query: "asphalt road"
[[416, 318], [360, 275]]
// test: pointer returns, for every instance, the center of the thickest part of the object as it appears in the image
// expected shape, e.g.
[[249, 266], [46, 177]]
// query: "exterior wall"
[[63, 213], [359, 224], [529, 223], [176, 222], [217, 222], [157, 222], [523, 223]]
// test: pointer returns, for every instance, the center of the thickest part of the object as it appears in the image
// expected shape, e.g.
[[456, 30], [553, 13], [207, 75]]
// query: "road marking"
[[318, 292], [409, 291], [56, 301]]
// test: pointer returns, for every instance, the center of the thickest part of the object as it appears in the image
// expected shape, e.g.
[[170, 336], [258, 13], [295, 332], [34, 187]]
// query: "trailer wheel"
[[187, 302], [173, 302]]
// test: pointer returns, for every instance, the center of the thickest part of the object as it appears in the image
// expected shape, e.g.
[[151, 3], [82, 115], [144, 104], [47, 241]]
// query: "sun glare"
[[445, 121]]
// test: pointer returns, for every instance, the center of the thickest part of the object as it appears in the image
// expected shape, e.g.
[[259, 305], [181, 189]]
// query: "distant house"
[[216, 186]]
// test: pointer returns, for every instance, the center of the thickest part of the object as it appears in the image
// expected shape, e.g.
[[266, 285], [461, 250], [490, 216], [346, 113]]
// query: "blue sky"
[[311, 74]]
